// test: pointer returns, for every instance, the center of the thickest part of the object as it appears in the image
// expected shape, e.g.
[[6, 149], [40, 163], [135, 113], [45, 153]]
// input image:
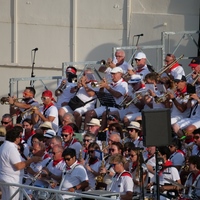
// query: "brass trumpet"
[[106, 64], [29, 111], [5, 100], [96, 84], [134, 100]]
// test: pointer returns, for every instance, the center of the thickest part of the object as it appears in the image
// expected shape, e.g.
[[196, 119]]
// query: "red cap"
[[195, 62], [67, 129], [47, 93], [71, 70]]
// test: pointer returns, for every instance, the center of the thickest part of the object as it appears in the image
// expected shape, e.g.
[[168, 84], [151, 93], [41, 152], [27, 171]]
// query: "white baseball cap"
[[140, 55]]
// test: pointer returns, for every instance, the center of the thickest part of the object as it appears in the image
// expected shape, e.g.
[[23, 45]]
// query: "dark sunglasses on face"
[[127, 150], [64, 135], [84, 140], [132, 155], [67, 159], [91, 151], [5, 122], [137, 59]]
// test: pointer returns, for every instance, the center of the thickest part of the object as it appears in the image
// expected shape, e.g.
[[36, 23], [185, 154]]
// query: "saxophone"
[[100, 178]]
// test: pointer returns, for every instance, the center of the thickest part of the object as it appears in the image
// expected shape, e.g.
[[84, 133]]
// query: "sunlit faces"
[[133, 156], [114, 150], [69, 160], [197, 139], [116, 76], [66, 136]]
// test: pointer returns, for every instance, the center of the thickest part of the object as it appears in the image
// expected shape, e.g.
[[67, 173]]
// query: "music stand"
[[107, 100]]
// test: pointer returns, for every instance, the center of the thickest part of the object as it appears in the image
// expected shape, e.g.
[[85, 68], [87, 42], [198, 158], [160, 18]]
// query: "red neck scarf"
[[92, 161], [181, 92], [167, 164], [47, 106], [26, 136], [174, 66], [72, 141], [139, 70], [134, 166], [55, 162], [180, 151]]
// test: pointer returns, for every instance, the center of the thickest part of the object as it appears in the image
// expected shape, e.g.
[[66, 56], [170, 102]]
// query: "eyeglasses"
[[137, 59], [64, 135], [91, 151], [132, 155], [118, 56], [84, 140], [196, 137], [5, 122], [67, 159], [44, 98]]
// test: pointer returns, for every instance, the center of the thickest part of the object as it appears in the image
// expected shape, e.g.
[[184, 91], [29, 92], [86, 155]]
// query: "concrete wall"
[[85, 30]]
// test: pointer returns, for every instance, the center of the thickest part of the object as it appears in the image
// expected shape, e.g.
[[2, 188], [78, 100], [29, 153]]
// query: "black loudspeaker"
[[156, 126]]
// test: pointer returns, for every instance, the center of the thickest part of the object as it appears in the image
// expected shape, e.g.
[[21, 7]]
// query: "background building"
[[87, 30]]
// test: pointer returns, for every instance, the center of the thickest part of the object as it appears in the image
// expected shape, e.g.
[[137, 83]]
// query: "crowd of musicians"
[[91, 138]]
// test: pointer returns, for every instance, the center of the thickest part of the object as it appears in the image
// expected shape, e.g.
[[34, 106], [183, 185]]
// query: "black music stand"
[[107, 100]]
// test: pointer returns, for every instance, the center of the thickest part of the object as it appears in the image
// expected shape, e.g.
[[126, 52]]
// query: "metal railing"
[[53, 194]]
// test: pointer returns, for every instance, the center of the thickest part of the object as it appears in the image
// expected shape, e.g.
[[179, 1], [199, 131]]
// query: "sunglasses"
[[44, 98], [112, 150], [91, 151], [137, 59], [63, 135], [5, 122], [132, 155], [84, 140], [196, 137], [67, 159]]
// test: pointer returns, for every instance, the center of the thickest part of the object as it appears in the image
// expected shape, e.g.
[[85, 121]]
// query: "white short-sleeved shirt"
[[95, 167], [177, 158], [9, 155], [66, 95], [143, 72], [51, 111], [74, 176], [122, 183], [169, 173]]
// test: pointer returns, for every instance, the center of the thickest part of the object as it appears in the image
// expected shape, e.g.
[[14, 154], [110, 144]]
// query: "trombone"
[[196, 79], [162, 70]]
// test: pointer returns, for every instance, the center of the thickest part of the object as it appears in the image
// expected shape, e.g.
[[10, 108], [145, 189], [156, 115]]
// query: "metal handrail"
[[57, 193]]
